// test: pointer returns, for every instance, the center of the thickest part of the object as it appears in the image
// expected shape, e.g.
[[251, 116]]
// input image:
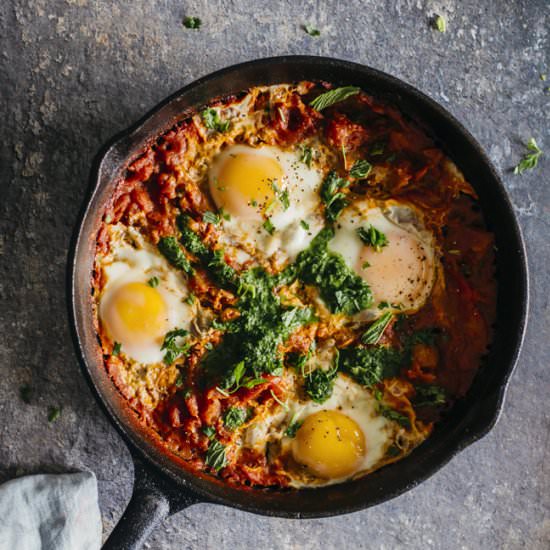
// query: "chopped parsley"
[[170, 249], [333, 96], [173, 345], [319, 384], [306, 155], [369, 366], [529, 160], [332, 196], [209, 431], [190, 299], [268, 226], [212, 120], [375, 331], [394, 415], [212, 259], [284, 198], [304, 224], [312, 31], [116, 349], [153, 282], [373, 237], [192, 22], [54, 413], [429, 396], [215, 456], [439, 23], [340, 287], [360, 169], [293, 427], [235, 417], [251, 344], [211, 217]]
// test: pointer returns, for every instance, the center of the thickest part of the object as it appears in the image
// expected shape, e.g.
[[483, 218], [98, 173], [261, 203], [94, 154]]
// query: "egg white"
[[294, 228], [402, 274], [132, 259]]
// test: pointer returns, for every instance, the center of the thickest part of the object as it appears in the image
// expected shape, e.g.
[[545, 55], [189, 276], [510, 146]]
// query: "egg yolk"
[[245, 184], [135, 312], [330, 444], [398, 272]]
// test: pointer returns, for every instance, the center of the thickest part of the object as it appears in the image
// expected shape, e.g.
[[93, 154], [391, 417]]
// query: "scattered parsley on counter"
[[439, 23], [529, 160], [312, 31], [54, 413], [192, 22]]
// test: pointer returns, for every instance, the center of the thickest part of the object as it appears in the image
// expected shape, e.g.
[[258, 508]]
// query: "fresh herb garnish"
[[394, 415], [54, 413], [340, 287], [190, 299], [212, 120], [529, 160], [360, 169], [429, 396], [304, 224], [319, 384], [209, 431], [375, 331], [333, 96], [170, 249], [212, 259], [116, 349], [284, 198], [235, 417], [153, 282], [312, 31], [331, 194], [251, 346], [192, 22], [293, 427], [268, 226], [306, 155], [369, 366], [211, 217], [179, 381], [173, 346], [373, 237], [439, 23], [25, 392], [215, 456]]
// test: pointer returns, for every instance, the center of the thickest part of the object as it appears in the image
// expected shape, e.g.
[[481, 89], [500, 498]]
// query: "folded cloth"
[[50, 512]]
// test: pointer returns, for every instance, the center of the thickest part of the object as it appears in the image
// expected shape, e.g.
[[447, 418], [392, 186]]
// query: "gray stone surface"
[[75, 72]]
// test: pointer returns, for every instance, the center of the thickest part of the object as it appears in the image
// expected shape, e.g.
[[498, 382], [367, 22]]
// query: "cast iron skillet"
[[162, 486]]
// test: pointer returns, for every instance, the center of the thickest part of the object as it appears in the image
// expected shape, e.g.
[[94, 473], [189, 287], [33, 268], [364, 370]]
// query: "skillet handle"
[[152, 501]]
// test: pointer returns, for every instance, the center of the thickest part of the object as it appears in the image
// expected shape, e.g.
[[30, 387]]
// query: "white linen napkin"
[[50, 512]]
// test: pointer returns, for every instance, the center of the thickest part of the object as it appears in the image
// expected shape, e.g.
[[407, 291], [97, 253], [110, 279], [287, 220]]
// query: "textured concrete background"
[[75, 72]]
